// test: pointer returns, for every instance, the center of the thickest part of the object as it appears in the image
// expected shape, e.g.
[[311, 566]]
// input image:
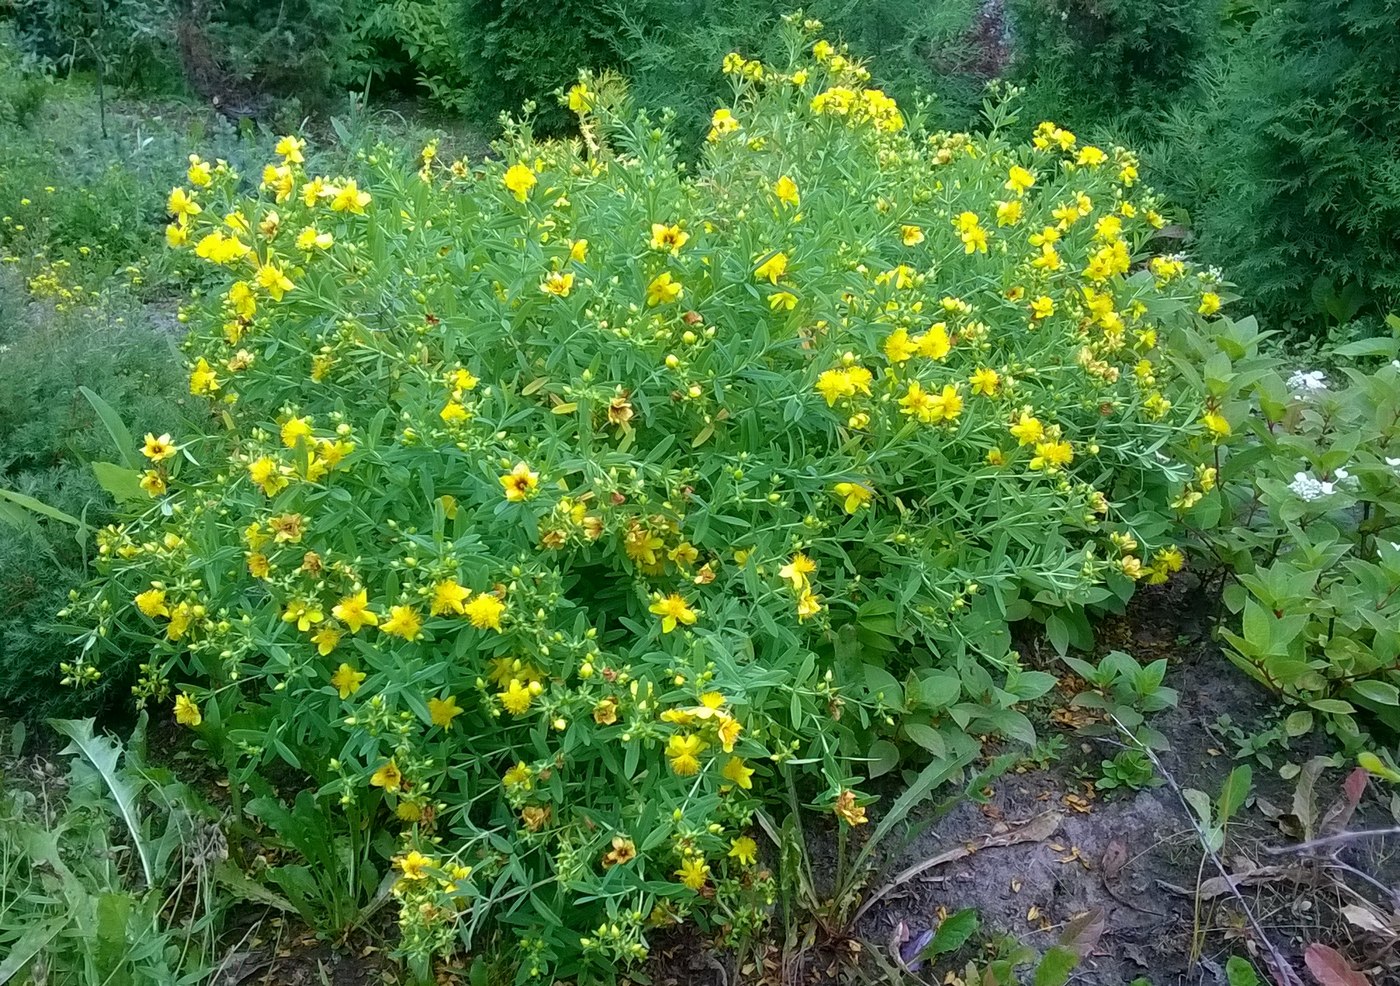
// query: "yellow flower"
[[181, 204], [1210, 303], [580, 99], [808, 605], [772, 268], [347, 680], [683, 751], [187, 710], [1217, 424], [290, 149], [454, 413], [728, 731], [518, 777], [519, 179], [578, 251], [311, 238], [1019, 180], [694, 872], [721, 123], [516, 698], [349, 198], [388, 777], [266, 473], [899, 347], [847, 810], [785, 300], [970, 231], [854, 495], [797, 570], [326, 638], [304, 614], [984, 381], [449, 597], [443, 710], [354, 611], [669, 238], [786, 191], [1009, 213], [738, 774], [203, 379], [414, 865], [935, 343], [242, 300], [220, 249], [274, 279], [199, 174], [177, 234], [1052, 455], [485, 611], [673, 609], [1027, 429], [520, 483], [911, 235], [558, 284], [744, 850], [1091, 156], [404, 622], [158, 449], [1042, 307], [663, 290], [153, 483]]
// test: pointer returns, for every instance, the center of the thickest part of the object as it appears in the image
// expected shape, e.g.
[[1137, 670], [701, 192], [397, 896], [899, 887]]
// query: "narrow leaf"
[[112, 421]]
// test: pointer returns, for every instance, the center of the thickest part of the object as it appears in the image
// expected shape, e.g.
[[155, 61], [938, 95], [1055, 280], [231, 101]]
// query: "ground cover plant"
[[559, 511]]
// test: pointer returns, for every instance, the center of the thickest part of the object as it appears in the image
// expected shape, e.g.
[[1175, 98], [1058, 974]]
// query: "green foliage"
[[88, 863], [649, 496], [1129, 769], [1126, 692], [1091, 59], [48, 432], [1312, 529], [1294, 152], [523, 50]]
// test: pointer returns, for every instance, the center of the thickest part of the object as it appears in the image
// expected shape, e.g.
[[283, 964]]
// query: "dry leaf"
[[1330, 969]]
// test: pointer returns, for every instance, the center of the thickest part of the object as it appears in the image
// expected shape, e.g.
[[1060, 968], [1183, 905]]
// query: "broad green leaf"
[[953, 932], [104, 753], [1233, 794]]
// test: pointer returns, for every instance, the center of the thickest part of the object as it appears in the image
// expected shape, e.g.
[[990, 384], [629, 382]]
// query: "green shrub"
[[563, 509], [1308, 517], [48, 434], [1298, 162], [1093, 59]]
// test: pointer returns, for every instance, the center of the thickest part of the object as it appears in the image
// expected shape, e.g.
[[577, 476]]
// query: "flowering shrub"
[[556, 509], [1309, 518]]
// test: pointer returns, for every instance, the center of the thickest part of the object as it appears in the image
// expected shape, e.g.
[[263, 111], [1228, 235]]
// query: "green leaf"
[[40, 508], [1055, 966], [30, 944], [927, 737], [124, 484], [112, 421], [1380, 692], [953, 932], [1238, 972], [1332, 706], [103, 753], [1298, 723], [1234, 792]]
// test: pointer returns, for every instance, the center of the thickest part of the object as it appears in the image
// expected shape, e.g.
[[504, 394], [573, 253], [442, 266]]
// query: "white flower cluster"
[[1309, 487], [1307, 381]]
